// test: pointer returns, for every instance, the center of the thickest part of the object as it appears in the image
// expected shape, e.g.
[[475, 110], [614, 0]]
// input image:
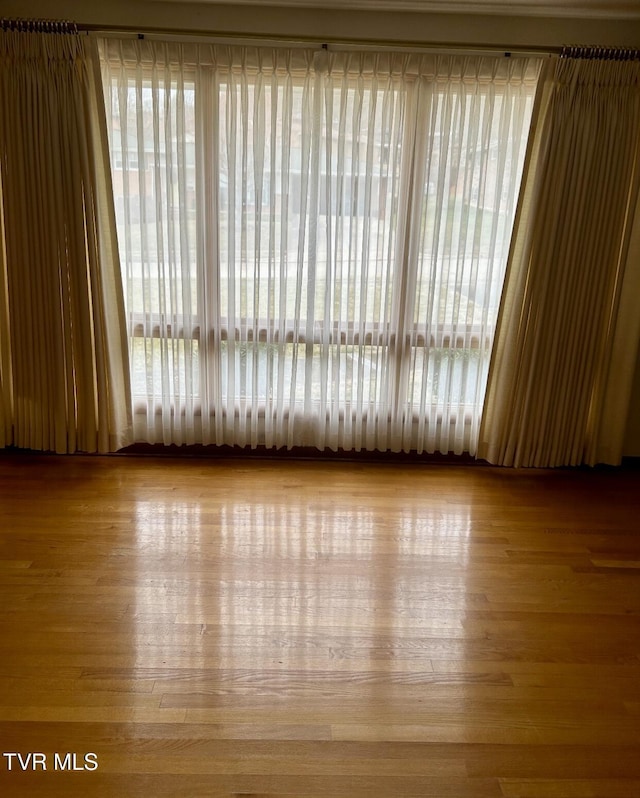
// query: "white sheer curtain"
[[566, 348], [313, 243], [63, 345]]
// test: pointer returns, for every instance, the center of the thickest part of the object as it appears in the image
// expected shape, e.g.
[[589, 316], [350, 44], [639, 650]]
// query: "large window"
[[313, 244]]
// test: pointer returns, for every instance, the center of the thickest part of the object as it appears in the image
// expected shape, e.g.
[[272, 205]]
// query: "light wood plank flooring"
[[283, 628]]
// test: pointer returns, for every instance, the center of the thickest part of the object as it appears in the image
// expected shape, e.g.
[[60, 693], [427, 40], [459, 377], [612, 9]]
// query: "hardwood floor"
[[246, 627]]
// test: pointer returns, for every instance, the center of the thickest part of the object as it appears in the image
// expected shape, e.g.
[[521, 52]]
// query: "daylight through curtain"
[[313, 243]]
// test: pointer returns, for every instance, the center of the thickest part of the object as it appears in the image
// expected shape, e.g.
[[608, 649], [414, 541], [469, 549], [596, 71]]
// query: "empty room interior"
[[320, 398]]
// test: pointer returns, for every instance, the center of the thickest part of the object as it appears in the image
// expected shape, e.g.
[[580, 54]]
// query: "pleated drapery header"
[[22, 40], [301, 61]]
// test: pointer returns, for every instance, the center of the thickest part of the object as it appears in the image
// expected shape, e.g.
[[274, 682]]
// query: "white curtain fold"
[[63, 356], [313, 243], [567, 338]]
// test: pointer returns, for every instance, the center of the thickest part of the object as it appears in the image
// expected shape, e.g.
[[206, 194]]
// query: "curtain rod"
[[64, 26], [592, 52], [317, 41], [39, 25]]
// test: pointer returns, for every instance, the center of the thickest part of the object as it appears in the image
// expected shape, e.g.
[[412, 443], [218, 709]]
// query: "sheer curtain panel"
[[565, 350], [63, 355], [313, 243]]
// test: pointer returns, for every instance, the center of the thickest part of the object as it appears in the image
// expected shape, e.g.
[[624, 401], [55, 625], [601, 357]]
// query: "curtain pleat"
[[64, 369], [313, 243], [6, 393], [557, 354]]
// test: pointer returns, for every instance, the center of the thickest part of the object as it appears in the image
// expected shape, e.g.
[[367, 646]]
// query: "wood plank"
[[253, 627]]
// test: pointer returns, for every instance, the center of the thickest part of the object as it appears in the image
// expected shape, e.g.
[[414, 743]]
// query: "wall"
[[501, 32]]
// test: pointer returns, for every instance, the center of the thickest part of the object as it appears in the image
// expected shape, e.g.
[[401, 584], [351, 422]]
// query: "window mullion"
[[208, 249], [314, 212], [406, 257]]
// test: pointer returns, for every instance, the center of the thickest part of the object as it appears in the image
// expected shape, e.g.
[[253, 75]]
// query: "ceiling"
[[604, 9]]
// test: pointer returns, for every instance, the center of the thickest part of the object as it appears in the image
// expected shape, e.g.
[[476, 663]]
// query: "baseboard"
[[304, 453], [297, 453]]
